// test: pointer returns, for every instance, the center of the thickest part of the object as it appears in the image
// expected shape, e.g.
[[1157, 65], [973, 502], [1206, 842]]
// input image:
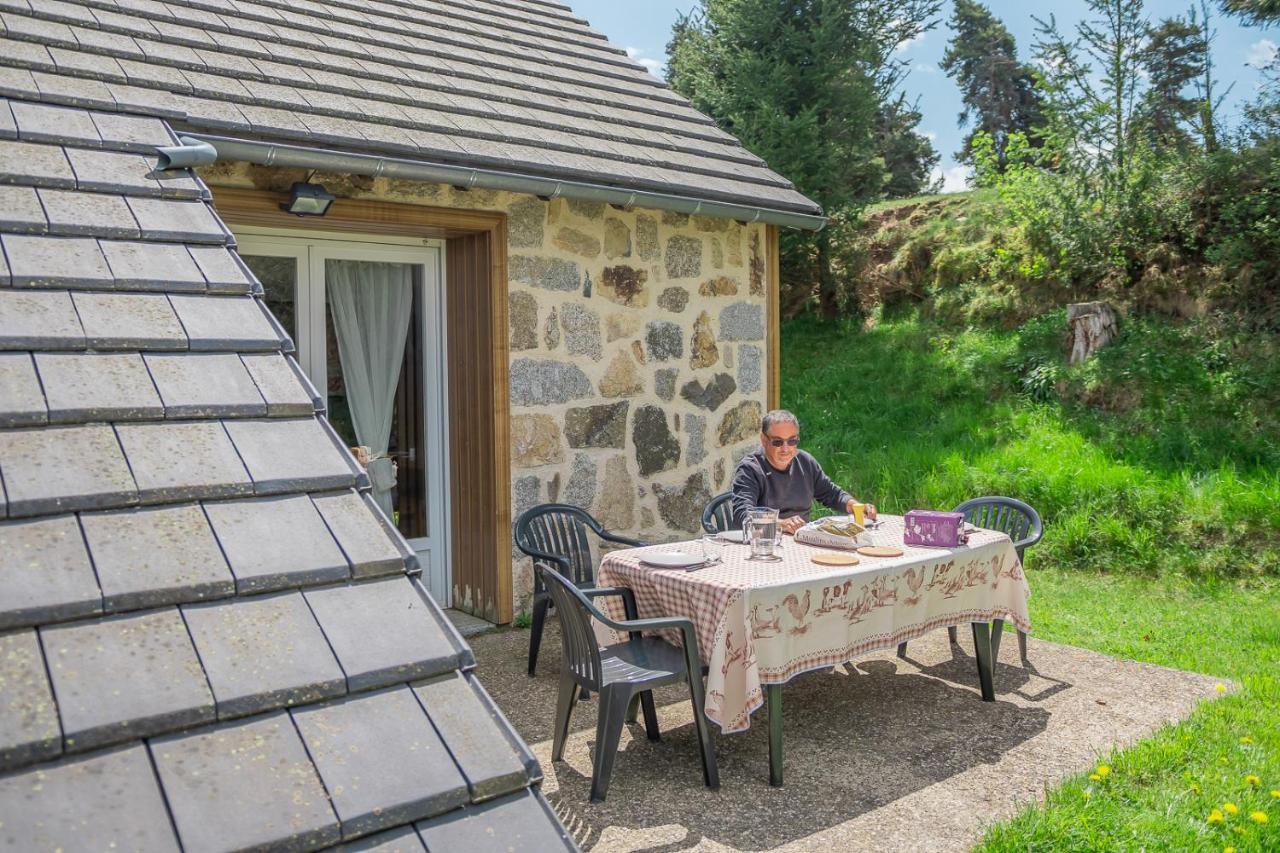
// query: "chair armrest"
[[628, 597], [679, 623], [621, 540], [561, 562]]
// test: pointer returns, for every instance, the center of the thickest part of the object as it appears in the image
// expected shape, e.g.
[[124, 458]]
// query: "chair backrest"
[[581, 651], [717, 516], [558, 532], [1008, 515]]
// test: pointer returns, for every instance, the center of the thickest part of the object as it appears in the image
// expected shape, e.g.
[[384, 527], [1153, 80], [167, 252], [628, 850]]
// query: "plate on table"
[[672, 560], [730, 535]]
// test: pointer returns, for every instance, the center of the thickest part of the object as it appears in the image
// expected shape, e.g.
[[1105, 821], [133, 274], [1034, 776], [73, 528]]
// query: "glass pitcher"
[[762, 532]]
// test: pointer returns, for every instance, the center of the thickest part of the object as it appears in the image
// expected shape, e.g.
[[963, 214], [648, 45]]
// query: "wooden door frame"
[[261, 208]]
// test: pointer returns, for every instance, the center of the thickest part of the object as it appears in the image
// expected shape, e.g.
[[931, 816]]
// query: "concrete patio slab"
[[886, 754]]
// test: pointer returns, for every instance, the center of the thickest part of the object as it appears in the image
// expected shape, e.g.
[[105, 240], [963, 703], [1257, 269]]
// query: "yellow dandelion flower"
[[1220, 687], [1215, 816], [1258, 817], [1231, 808], [1246, 739], [1252, 780], [1094, 777], [1228, 850], [1103, 770], [1276, 793]]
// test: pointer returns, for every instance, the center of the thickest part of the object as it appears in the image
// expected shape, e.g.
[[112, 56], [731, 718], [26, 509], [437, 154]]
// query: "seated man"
[[780, 476]]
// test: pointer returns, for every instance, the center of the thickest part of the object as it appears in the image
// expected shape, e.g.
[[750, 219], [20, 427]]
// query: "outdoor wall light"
[[307, 199]]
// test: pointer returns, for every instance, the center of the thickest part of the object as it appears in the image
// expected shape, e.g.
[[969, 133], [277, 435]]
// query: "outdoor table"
[[759, 624]]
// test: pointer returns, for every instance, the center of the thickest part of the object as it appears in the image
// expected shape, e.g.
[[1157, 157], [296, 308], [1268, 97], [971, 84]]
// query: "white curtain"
[[371, 301]]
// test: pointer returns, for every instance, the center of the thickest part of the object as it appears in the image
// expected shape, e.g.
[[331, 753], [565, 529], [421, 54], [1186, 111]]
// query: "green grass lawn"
[[1155, 469]]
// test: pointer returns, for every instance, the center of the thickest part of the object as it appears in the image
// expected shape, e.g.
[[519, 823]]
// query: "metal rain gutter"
[[274, 154]]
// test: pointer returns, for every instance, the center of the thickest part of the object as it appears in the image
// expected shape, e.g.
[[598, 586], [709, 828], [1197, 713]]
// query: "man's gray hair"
[[778, 416]]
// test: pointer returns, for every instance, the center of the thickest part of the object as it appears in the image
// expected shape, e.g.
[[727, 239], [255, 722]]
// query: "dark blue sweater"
[[791, 492]]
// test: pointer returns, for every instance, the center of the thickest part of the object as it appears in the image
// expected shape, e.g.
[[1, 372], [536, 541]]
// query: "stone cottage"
[[543, 275]]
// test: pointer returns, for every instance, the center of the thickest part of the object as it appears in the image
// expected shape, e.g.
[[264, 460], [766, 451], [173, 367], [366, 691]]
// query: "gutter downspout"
[[200, 145]]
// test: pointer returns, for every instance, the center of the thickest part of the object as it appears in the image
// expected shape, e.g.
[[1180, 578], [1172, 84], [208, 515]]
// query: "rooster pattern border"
[[760, 624]]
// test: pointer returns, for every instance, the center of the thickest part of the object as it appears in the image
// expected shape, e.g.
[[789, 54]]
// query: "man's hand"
[[792, 524], [868, 510]]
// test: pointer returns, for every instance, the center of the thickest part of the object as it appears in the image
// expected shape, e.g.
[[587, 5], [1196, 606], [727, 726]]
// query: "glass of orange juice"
[[859, 510]]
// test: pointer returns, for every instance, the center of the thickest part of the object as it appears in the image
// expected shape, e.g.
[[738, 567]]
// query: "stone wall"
[[637, 350]]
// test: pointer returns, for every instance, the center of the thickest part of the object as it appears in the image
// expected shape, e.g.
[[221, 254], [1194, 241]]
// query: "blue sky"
[[1237, 51]]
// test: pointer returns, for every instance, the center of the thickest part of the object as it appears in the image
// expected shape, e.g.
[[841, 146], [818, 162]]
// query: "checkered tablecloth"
[[764, 622]]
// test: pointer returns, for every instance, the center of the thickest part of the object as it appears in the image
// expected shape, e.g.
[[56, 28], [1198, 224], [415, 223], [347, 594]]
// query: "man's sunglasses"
[[789, 442]]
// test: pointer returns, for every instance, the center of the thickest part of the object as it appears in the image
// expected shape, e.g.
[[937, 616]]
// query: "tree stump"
[[1092, 325]]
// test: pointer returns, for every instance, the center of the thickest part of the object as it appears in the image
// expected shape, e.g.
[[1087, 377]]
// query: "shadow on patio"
[[857, 739]]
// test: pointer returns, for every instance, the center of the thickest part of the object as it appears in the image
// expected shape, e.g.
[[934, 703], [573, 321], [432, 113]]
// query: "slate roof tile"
[[55, 469], [153, 557], [8, 129], [34, 164], [125, 677], [244, 785], [518, 823], [137, 265], [383, 632], [381, 760], [488, 758], [97, 387], [59, 125], [361, 533], [132, 133], [128, 321], [20, 210], [205, 385], [263, 652], [67, 803], [45, 573], [21, 398], [402, 840], [290, 455], [88, 214], [225, 323], [174, 461], [282, 385], [185, 221], [44, 261], [28, 716], [112, 171], [222, 270], [276, 543], [38, 319], [73, 91]]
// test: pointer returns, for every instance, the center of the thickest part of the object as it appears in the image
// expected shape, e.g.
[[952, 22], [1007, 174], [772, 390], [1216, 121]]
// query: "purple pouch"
[[934, 528]]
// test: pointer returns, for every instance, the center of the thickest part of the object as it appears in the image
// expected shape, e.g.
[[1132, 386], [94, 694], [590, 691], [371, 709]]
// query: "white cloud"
[[653, 66], [907, 44], [954, 180], [925, 68], [1261, 53], [930, 135]]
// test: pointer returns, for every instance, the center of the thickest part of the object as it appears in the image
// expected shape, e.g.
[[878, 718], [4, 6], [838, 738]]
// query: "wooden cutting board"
[[835, 559], [880, 551]]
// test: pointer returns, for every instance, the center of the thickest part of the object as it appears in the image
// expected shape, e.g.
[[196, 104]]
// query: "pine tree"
[[802, 84], [1175, 58], [1257, 12], [998, 91], [909, 156]]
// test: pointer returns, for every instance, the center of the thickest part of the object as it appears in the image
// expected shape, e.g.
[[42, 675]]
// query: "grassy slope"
[[1160, 502]]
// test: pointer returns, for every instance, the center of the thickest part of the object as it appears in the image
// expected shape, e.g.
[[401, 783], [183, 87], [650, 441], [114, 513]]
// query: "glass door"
[[366, 320]]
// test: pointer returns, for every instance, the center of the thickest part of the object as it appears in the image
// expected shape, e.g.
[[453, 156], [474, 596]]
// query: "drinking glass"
[[712, 550]]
